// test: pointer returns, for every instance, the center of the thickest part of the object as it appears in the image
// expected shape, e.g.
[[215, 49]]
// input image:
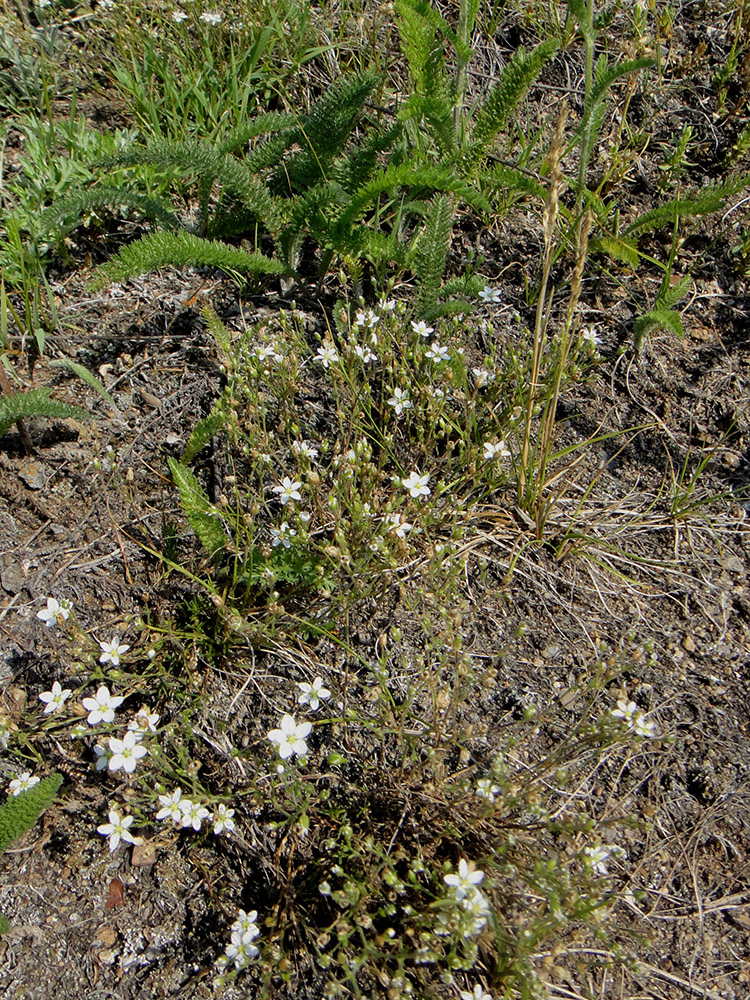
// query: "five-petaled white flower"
[[193, 813], [421, 328], [179, 15], [290, 737], [313, 694], [486, 789], [367, 318], [398, 527], [171, 807], [489, 294], [476, 994], [387, 305], [282, 535], [288, 490], [117, 830], [304, 449], [54, 699], [634, 718], [246, 924], [145, 721], [437, 353], [590, 336], [222, 819], [327, 355], [24, 781], [54, 612], [240, 950], [111, 651], [365, 354], [209, 18], [417, 485], [126, 753], [495, 449], [596, 857], [465, 880], [400, 400], [102, 706]]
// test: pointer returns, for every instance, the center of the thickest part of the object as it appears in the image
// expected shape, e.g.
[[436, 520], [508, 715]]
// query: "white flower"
[[417, 485], [268, 353], [590, 336], [24, 780], [209, 18], [486, 789], [193, 813], [54, 699], [282, 535], [313, 694], [465, 880], [482, 377], [102, 755], [179, 15], [78, 731], [489, 294], [365, 354], [111, 651], [117, 830], [240, 950], [4, 732], [101, 707], [107, 4], [222, 819], [477, 908], [246, 924], [421, 328], [54, 612], [437, 353], [397, 526], [495, 449], [144, 722], [642, 727], [171, 808], [400, 400], [367, 317], [634, 718], [304, 449], [477, 993], [126, 752], [596, 857], [290, 737], [387, 305], [327, 355], [287, 491]]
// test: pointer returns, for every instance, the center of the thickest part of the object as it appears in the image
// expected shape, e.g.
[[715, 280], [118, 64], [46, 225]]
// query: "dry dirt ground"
[[669, 592]]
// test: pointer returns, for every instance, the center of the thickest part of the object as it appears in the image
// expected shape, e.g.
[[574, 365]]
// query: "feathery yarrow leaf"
[[183, 250], [35, 403], [200, 512]]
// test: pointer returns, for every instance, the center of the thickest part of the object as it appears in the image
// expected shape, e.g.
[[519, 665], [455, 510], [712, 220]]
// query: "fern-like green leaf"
[[183, 250], [19, 813], [430, 254], [617, 248], [206, 428], [670, 295], [200, 512], [35, 403], [267, 124], [76, 208], [324, 133], [405, 175], [503, 98], [657, 319]]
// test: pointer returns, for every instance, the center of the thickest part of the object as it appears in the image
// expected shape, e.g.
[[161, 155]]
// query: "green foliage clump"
[[19, 813]]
